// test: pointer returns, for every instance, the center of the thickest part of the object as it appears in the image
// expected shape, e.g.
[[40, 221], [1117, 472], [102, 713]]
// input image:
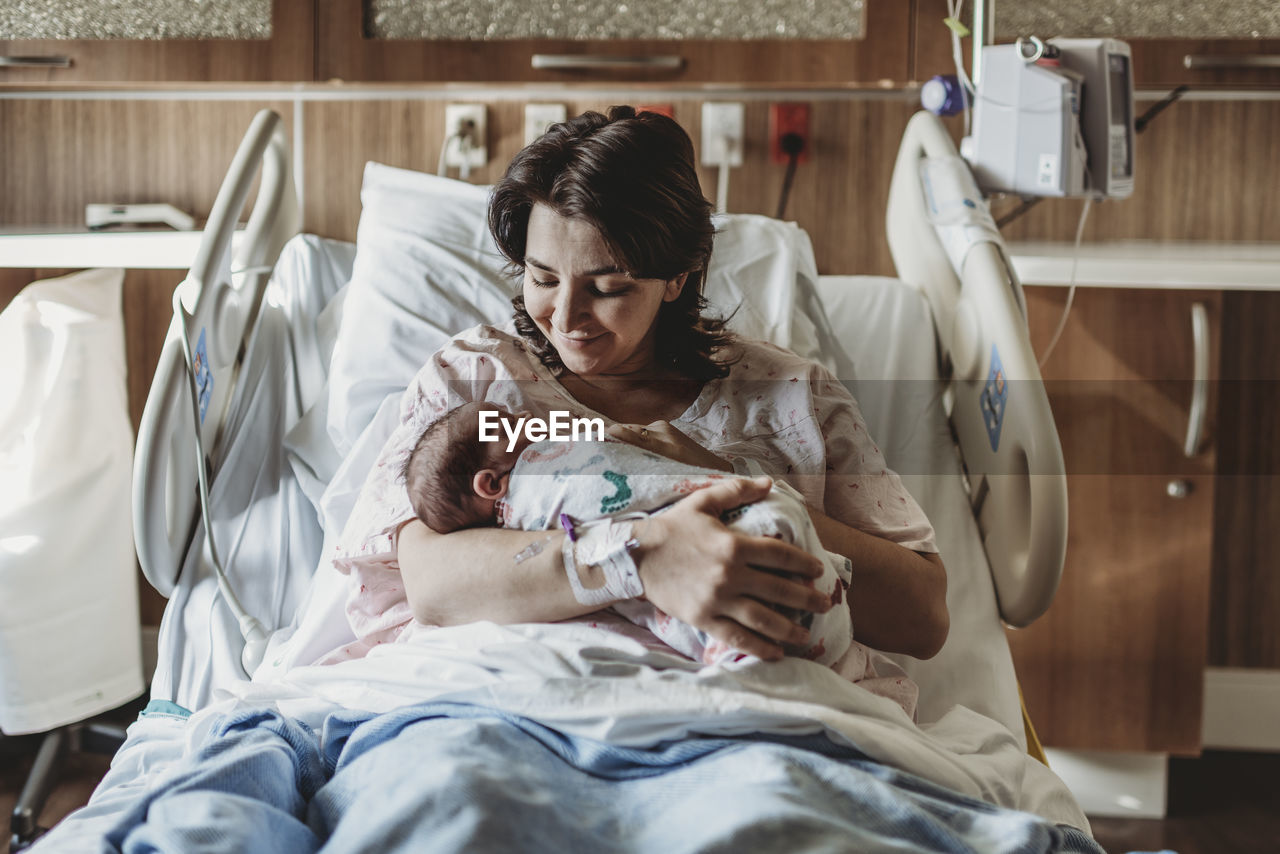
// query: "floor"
[[1221, 803]]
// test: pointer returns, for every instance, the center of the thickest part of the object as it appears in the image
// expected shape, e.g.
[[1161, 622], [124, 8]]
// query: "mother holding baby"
[[604, 219]]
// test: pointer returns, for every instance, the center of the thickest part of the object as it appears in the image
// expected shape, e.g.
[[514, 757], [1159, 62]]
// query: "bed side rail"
[[944, 242], [217, 303]]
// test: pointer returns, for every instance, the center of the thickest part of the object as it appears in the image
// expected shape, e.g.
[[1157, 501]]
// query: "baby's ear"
[[489, 484]]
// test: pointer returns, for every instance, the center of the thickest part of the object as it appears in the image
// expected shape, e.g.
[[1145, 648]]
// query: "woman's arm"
[[898, 599], [485, 574], [691, 565]]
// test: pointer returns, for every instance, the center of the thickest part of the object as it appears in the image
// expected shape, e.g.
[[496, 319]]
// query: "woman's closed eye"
[[593, 290]]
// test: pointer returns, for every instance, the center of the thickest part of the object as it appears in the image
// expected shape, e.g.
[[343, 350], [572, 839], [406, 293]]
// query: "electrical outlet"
[[456, 117], [539, 117], [660, 109], [722, 135], [785, 119]]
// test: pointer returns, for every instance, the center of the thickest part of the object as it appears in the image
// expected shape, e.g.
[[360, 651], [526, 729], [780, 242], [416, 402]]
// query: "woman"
[[605, 221]]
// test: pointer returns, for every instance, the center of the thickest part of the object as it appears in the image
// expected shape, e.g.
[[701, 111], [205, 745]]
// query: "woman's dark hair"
[[632, 177]]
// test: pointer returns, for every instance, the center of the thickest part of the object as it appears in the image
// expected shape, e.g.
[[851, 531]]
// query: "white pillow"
[[427, 268]]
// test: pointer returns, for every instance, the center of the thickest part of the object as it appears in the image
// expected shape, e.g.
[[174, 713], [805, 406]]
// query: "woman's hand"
[[697, 570], [663, 439]]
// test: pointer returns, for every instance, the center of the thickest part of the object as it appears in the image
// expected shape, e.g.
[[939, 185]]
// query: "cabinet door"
[[708, 41], [1117, 663], [157, 41], [1228, 43]]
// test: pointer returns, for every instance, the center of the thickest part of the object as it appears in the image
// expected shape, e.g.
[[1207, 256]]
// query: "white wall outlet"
[[539, 117], [722, 133], [468, 119]]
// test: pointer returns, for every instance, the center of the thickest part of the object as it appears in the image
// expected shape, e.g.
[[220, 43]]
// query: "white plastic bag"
[[69, 629]]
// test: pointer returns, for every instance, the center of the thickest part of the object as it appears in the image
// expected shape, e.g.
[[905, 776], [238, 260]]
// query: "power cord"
[[1071, 291], [722, 177], [792, 145], [464, 140]]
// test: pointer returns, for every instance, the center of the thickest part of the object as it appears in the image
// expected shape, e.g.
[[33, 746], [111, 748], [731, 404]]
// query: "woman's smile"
[[578, 342]]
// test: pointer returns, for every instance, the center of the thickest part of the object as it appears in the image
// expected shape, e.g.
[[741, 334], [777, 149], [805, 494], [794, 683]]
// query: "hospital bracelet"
[[606, 543]]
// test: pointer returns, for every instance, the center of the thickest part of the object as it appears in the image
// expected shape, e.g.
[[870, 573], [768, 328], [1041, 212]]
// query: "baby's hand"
[[663, 439]]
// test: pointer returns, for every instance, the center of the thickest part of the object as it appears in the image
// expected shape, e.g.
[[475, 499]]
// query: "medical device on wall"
[[1054, 118]]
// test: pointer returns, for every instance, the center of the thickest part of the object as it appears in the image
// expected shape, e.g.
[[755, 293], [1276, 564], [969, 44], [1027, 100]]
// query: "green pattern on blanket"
[[621, 496]]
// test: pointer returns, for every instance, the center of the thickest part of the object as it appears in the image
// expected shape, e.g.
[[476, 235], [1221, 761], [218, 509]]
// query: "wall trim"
[[1115, 784], [525, 92], [1241, 708]]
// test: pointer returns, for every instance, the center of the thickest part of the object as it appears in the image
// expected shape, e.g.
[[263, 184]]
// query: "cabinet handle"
[[582, 62], [35, 62], [1209, 62], [1200, 384]]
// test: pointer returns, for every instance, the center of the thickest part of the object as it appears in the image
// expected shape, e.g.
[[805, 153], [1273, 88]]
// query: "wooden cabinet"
[[1118, 661], [879, 58], [286, 55], [1243, 53]]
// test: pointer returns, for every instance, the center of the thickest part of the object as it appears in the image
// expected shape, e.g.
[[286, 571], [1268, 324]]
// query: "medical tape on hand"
[[606, 544]]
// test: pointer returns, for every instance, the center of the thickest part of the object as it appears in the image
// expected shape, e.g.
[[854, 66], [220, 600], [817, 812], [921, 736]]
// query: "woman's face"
[[599, 319]]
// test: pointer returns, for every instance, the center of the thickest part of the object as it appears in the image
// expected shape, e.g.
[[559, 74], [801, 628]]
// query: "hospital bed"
[[301, 345]]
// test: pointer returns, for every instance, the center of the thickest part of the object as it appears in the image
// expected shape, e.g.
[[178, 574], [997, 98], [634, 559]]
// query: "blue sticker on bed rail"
[[994, 397], [204, 378]]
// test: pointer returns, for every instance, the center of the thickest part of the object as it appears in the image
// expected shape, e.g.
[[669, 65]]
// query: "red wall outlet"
[[784, 119], [660, 109]]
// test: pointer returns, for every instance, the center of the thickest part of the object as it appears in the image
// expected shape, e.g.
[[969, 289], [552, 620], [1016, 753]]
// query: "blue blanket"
[[454, 777]]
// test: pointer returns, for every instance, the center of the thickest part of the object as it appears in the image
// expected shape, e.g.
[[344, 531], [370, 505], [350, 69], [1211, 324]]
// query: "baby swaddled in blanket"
[[456, 481]]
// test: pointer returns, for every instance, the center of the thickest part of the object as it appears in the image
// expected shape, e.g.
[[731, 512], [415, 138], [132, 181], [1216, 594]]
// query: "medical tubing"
[[966, 85], [250, 629], [1071, 292], [441, 169]]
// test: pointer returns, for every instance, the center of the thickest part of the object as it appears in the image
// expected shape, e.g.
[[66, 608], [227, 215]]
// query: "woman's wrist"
[[649, 534]]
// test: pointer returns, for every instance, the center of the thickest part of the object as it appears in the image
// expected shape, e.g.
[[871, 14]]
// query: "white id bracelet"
[[746, 467], [606, 544]]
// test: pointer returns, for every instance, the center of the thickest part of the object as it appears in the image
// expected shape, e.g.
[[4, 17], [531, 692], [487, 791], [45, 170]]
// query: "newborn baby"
[[456, 481]]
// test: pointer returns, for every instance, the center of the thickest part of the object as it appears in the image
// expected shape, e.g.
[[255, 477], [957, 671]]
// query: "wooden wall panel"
[[839, 196], [59, 155]]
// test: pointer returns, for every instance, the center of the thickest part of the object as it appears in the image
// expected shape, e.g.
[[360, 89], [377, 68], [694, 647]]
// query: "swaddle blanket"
[[593, 480]]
